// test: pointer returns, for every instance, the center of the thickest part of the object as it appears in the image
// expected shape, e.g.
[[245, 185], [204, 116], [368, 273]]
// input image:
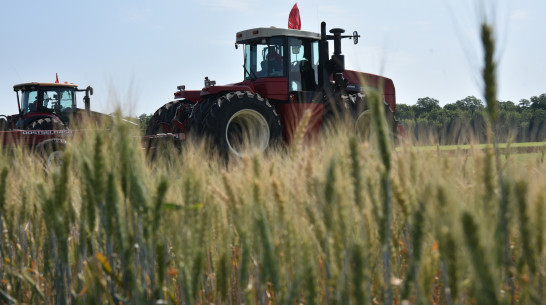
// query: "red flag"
[[294, 21], [56, 78]]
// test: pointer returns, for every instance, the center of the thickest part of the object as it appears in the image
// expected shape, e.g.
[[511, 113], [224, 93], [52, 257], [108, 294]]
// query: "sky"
[[135, 53]]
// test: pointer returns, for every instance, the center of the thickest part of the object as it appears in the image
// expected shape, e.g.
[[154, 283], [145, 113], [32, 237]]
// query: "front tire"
[[52, 152], [363, 117], [242, 121]]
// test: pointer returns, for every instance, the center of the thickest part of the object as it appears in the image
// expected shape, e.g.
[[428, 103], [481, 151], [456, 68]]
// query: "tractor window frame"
[[29, 100], [47, 98], [259, 61]]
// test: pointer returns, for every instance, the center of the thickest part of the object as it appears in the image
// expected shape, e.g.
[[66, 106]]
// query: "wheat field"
[[337, 221]]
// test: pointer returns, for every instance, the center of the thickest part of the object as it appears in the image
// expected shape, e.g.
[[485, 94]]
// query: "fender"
[[362, 81], [272, 88], [201, 95], [196, 96], [213, 90], [33, 116], [12, 121], [190, 95]]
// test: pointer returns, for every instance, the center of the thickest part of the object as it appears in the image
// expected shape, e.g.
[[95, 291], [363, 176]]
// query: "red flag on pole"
[[56, 78], [294, 21]]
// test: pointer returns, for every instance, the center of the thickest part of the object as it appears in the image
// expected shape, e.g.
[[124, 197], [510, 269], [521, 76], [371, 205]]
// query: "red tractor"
[[45, 106], [286, 72]]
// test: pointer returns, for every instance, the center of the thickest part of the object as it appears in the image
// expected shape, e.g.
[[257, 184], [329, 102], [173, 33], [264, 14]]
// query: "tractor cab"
[[47, 100], [292, 69], [279, 62]]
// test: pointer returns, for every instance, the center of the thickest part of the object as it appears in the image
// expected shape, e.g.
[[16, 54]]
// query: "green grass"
[[537, 145], [529, 158]]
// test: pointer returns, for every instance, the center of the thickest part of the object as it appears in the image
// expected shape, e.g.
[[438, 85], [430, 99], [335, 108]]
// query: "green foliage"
[[538, 102], [426, 105], [143, 121], [478, 258], [3, 186], [463, 121]]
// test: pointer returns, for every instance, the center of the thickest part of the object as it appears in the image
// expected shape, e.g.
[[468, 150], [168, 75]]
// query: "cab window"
[[303, 74], [265, 59], [30, 101], [58, 99]]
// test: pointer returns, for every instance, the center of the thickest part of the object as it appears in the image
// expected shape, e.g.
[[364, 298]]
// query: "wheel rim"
[[362, 125], [247, 129], [55, 159]]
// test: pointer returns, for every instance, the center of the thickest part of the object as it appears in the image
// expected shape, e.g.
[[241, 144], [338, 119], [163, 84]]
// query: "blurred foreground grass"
[[308, 225]]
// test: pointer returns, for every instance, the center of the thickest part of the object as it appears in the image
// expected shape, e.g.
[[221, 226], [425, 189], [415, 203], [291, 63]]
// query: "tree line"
[[464, 121]]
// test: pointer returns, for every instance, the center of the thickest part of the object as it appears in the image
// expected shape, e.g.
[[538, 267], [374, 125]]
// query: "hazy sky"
[[135, 53]]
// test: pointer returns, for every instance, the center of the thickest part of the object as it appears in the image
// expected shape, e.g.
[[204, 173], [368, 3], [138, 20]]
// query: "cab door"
[[305, 98]]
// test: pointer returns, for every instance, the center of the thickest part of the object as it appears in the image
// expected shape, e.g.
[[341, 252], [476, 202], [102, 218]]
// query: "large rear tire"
[[240, 122], [160, 122], [46, 124]]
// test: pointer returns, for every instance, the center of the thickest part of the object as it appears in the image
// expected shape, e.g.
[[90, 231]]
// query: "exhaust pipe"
[[87, 99]]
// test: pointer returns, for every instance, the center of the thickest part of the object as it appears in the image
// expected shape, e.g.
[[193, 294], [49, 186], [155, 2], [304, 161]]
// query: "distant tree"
[[143, 120], [524, 103], [537, 126], [465, 120], [404, 112], [470, 103], [539, 102], [426, 105], [451, 107], [507, 106]]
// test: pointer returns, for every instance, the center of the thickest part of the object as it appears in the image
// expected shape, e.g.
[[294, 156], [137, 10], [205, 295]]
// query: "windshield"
[[49, 99], [265, 59]]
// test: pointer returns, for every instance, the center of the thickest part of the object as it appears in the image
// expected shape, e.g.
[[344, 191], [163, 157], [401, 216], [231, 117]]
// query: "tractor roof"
[[258, 33], [35, 84]]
